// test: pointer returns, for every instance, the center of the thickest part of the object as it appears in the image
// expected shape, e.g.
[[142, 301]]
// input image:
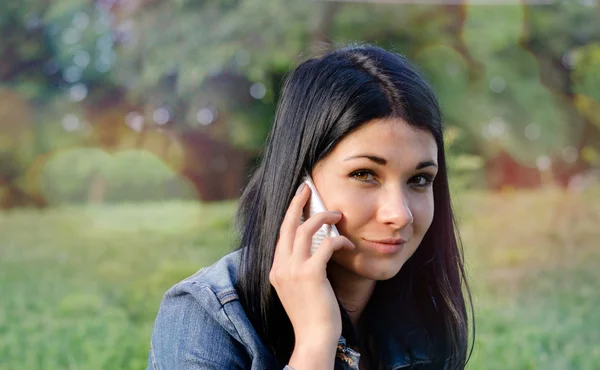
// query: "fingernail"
[[300, 188], [336, 212]]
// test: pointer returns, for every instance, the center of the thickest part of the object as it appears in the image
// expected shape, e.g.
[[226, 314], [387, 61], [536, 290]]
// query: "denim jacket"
[[201, 324]]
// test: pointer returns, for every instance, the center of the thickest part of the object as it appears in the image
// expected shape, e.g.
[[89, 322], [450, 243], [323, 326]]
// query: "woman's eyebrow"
[[383, 162], [426, 164], [370, 157]]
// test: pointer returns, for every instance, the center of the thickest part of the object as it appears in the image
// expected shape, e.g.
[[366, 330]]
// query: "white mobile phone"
[[316, 205]]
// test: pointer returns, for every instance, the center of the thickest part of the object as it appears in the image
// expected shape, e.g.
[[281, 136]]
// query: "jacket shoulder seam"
[[223, 295]]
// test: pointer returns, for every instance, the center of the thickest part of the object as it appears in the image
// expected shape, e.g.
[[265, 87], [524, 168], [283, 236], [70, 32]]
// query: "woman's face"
[[379, 177]]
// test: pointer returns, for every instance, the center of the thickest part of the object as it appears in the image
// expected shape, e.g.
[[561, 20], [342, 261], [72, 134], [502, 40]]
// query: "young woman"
[[385, 294]]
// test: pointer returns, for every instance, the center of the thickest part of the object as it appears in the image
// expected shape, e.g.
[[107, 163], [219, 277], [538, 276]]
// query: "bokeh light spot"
[[206, 116], [71, 123], [569, 60], [135, 121], [497, 84], [72, 74], [78, 92], [533, 131], [81, 20], [71, 36], [570, 154], [543, 163], [81, 58], [496, 127], [258, 90], [161, 116], [102, 66]]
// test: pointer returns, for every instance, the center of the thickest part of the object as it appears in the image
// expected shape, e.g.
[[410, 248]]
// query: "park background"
[[128, 128]]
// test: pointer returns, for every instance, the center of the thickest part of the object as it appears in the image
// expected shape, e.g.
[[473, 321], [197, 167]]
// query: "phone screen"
[[315, 205]]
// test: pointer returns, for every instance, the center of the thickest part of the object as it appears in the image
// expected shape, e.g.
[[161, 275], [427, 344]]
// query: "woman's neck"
[[352, 291]]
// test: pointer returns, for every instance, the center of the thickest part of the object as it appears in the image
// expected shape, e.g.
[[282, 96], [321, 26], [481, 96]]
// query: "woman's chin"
[[370, 268], [380, 273]]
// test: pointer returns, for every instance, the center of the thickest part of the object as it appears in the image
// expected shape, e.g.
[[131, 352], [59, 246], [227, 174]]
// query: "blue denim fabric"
[[201, 324]]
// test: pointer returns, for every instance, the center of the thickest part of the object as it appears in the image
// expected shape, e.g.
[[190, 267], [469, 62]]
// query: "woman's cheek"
[[357, 210], [423, 213]]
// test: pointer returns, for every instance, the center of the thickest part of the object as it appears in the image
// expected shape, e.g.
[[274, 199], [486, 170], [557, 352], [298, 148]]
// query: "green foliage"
[[208, 38], [59, 11], [491, 29], [561, 26], [82, 40], [504, 74], [586, 76], [250, 128], [510, 108]]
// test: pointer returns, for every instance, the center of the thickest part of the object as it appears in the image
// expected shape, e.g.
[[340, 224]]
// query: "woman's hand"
[[301, 283]]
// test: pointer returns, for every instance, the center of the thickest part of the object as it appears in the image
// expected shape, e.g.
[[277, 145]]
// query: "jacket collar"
[[396, 354]]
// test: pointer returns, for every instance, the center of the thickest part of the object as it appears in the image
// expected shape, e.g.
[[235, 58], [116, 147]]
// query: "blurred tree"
[[491, 88], [195, 82], [214, 68], [24, 53], [563, 36]]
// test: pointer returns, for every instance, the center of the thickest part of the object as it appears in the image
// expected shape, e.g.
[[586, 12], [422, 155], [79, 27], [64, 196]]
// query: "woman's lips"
[[385, 246]]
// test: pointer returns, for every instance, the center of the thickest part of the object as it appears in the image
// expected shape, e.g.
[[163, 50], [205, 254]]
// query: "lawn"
[[81, 286]]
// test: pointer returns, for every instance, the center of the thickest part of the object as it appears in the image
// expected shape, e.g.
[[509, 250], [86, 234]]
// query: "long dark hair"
[[323, 100]]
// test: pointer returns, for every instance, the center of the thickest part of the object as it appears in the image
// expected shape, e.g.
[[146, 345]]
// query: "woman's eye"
[[422, 181], [362, 175]]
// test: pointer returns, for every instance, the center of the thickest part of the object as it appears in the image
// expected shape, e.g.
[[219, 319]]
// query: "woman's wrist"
[[313, 355]]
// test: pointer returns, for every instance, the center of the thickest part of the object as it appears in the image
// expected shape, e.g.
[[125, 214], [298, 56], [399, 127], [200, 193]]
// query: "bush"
[[86, 174]]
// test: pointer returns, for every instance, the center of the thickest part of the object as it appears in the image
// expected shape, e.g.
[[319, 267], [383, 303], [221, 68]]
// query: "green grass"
[[80, 286], [534, 265]]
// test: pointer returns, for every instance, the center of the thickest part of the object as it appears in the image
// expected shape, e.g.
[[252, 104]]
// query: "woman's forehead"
[[388, 137]]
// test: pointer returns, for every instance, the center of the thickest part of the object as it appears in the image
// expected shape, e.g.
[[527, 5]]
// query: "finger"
[[323, 254], [305, 232], [291, 220]]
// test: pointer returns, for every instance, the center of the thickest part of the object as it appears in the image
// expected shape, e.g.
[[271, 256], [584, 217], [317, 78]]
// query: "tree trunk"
[[97, 189]]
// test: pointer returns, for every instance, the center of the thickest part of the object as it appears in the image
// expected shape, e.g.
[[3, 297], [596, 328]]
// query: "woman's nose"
[[395, 210]]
